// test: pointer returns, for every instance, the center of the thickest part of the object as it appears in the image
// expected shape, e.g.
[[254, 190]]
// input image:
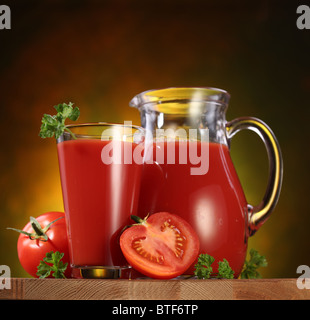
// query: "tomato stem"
[[138, 219], [38, 229], [39, 232]]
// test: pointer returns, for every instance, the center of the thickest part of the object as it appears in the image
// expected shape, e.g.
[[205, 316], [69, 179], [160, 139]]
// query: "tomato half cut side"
[[163, 246]]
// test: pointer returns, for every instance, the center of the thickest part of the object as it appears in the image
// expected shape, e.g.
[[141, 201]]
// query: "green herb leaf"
[[52, 264], [224, 270], [250, 267], [55, 125], [203, 269]]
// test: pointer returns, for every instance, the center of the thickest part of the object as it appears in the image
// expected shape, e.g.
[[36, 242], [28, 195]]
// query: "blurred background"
[[99, 54]]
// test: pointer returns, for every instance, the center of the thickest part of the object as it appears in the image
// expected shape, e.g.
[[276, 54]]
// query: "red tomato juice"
[[98, 200], [214, 203]]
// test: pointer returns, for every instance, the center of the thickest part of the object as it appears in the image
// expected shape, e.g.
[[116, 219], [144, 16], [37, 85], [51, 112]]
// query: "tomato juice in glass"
[[213, 203], [99, 196]]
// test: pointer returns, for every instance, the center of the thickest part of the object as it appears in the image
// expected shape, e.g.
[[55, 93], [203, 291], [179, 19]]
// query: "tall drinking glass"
[[100, 184]]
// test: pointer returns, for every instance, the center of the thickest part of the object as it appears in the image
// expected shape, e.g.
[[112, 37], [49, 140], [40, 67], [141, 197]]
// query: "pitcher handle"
[[260, 213]]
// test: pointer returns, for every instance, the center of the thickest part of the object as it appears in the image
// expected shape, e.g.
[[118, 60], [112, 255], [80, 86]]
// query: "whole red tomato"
[[32, 249]]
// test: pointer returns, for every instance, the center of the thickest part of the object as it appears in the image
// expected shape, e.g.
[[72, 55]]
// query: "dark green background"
[[99, 54]]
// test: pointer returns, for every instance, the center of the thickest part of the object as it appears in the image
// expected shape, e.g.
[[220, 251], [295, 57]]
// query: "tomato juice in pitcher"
[[213, 203], [211, 199]]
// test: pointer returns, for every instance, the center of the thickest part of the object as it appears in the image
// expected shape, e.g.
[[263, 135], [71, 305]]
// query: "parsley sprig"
[[52, 264], [250, 267], [225, 270], [204, 270], [55, 125]]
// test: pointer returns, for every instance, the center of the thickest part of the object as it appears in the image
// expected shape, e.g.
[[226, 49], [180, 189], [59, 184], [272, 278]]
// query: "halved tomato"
[[162, 246]]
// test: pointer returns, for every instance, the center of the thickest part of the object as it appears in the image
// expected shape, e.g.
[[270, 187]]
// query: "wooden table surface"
[[100, 289]]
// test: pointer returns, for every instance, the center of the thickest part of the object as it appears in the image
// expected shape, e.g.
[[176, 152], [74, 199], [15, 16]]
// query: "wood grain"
[[269, 289], [99, 289]]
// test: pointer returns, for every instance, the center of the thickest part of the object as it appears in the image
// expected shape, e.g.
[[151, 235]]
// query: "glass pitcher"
[[211, 198]]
